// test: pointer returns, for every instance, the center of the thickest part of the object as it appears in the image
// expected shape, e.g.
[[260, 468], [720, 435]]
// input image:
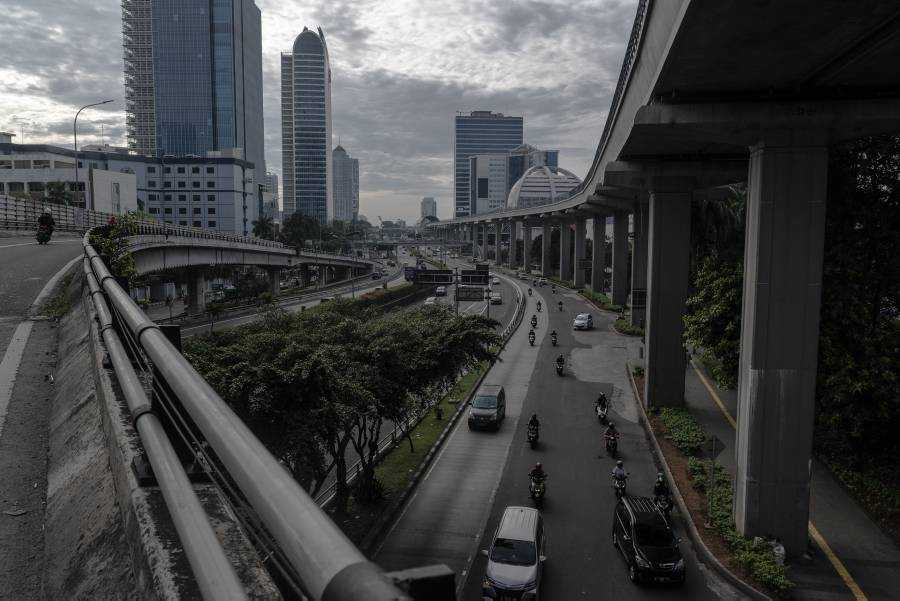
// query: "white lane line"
[[35, 243], [9, 366]]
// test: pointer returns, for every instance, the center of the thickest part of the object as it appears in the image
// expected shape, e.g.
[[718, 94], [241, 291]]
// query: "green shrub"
[[624, 327], [683, 430], [638, 372]]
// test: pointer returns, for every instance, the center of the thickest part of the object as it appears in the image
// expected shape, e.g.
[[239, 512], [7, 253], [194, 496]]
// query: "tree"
[[299, 228], [58, 194], [264, 227]]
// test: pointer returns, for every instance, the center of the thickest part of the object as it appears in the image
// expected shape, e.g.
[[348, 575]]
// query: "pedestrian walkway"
[[852, 557]]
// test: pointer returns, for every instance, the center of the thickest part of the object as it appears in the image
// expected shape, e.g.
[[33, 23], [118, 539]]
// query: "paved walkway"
[[855, 559]]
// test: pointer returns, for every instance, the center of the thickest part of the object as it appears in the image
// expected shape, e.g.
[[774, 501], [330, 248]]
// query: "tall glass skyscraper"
[[346, 185], [193, 77], [306, 128], [480, 132]]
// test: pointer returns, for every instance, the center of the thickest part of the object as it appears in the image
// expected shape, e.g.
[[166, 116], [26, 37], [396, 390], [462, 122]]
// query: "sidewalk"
[[853, 559]]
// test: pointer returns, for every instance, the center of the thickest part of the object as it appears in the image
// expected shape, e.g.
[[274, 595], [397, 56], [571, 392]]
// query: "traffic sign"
[[473, 276], [469, 293], [434, 276]]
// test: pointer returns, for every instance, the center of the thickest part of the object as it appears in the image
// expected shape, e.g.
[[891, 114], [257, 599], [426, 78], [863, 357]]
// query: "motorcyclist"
[[560, 305], [533, 422], [611, 431], [539, 306], [46, 220], [534, 321], [553, 335], [553, 288], [531, 337], [537, 473], [619, 472], [602, 401], [560, 361], [660, 487], [529, 291]]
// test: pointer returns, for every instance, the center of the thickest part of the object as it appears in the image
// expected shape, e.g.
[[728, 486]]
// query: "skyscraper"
[[306, 128], [429, 207], [346, 185], [479, 132], [193, 77]]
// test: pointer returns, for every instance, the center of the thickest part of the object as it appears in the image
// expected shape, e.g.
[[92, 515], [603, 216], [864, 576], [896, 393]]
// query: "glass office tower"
[[193, 77], [306, 128], [479, 132]]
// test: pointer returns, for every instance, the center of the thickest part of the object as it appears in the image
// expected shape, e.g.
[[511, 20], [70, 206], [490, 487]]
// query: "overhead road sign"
[[434, 276], [473, 276], [469, 293]]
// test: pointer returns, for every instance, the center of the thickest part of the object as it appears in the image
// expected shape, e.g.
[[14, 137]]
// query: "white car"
[[583, 321], [495, 282], [440, 291], [431, 300], [496, 299]]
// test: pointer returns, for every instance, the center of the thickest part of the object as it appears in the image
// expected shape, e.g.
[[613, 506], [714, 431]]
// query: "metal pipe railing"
[[215, 575], [330, 567]]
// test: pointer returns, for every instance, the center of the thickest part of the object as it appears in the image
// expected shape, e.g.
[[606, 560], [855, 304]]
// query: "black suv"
[[649, 546]]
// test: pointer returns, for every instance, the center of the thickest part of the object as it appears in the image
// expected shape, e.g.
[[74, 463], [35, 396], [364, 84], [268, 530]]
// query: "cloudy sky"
[[401, 68]]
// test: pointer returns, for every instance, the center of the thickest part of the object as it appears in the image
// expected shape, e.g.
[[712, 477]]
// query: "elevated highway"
[[711, 93]]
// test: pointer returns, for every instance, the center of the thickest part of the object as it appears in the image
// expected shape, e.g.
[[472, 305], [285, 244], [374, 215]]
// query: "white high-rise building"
[[346, 185], [428, 207], [306, 128]]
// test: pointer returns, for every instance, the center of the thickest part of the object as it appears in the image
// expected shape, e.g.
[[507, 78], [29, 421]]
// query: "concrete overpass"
[[715, 92]]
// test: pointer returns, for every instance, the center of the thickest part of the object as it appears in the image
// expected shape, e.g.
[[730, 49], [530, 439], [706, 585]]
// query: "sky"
[[401, 70]]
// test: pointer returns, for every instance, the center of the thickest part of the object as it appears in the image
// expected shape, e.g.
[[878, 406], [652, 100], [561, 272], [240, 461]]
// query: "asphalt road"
[[478, 474]]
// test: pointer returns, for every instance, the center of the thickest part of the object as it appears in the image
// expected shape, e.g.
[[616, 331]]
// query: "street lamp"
[[75, 131]]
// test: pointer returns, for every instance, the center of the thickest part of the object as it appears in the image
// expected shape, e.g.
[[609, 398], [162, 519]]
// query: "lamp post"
[[75, 132]]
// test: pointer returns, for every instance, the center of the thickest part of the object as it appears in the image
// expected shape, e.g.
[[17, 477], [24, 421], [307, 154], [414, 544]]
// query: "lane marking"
[[62, 241], [836, 563], [9, 366]]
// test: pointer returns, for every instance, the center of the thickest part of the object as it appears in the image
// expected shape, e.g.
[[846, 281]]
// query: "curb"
[[703, 552]]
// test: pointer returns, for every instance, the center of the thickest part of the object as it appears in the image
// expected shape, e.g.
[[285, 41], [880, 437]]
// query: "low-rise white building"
[[215, 192]]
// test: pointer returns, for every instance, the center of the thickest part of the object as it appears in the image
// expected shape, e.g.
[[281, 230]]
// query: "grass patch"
[[60, 303], [683, 430], [602, 301], [624, 327]]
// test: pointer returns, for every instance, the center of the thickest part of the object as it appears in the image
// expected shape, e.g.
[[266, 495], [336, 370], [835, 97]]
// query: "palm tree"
[[264, 227]]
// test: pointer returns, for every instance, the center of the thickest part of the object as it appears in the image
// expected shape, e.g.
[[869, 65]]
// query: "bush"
[[624, 327], [601, 300], [683, 430]]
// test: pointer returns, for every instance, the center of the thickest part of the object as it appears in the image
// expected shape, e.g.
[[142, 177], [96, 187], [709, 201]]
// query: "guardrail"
[[301, 540], [326, 495]]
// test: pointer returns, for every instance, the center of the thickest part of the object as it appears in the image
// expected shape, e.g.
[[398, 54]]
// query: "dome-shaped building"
[[541, 185]]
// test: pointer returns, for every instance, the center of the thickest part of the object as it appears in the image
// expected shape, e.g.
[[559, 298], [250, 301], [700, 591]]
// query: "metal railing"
[[327, 566]]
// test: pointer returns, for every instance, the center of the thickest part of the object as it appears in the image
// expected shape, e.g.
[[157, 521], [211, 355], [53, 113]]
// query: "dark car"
[[649, 546], [487, 409]]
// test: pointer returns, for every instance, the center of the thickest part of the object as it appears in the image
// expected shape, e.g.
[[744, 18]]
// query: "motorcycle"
[[532, 436], [43, 234], [529, 292], [537, 489], [539, 306], [553, 338], [601, 412], [664, 504], [612, 445], [553, 289], [533, 321], [531, 337], [560, 305], [619, 486], [559, 368]]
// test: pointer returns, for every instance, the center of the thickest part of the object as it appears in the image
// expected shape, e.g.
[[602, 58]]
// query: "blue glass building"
[[193, 77], [306, 128], [480, 132]]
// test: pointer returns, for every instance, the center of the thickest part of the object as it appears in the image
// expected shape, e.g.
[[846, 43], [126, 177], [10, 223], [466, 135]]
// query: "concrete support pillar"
[[546, 268], [274, 282], [482, 236], [196, 292], [473, 233], [669, 253], [304, 275], [565, 247], [598, 258], [779, 341], [513, 257], [580, 227], [498, 229], [639, 265], [620, 258], [526, 247]]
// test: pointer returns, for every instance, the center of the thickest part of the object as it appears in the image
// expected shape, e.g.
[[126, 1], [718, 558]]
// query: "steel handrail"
[[330, 567], [215, 575]]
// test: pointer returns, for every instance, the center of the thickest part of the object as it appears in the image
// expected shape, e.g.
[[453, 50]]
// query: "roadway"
[[477, 474]]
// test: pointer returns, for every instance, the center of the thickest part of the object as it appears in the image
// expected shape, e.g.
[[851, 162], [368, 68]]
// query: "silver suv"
[[516, 557]]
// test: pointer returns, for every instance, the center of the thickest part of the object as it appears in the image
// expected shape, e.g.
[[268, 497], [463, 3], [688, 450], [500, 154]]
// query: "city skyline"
[[396, 82]]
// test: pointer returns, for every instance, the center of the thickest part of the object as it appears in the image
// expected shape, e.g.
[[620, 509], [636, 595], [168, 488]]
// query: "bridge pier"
[[196, 292], [580, 235], [598, 258], [498, 229], [779, 341], [526, 247], [546, 268], [274, 276], [619, 281], [639, 266], [669, 258], [513, 255], [565, 250]]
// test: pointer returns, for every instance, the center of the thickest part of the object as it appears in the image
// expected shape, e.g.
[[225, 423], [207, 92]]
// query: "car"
[[431, 300], [646, 541], [487, 409], [522, 275], [376, 275], [440, 291], [496, 299], [583, 321], [542, 281], [516, 556], [495, 281]]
